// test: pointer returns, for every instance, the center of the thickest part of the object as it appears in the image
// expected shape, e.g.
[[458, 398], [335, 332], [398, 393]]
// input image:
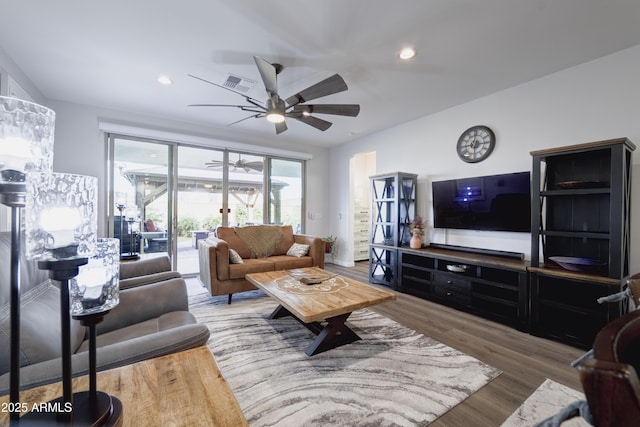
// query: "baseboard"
[[340, 263]]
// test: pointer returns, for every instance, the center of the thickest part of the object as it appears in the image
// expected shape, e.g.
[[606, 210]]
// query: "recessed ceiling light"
[[407, 53], [164, 80]]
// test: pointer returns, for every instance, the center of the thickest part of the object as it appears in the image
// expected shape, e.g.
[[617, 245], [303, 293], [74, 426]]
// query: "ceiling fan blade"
[[328, 86], [268, 74], [248, 117], [256, 166], [281, 127], [242, 107], [248, 98], [351, 110], [214, 164], [216, 105], [314, 121]]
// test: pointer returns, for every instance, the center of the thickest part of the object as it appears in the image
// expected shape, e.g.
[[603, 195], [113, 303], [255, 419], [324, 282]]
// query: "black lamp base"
[[129, 257], [104, 410]]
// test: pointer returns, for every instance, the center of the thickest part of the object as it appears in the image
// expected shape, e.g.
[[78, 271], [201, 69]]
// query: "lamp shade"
[[26, 139], [61, 215], [96, 287]]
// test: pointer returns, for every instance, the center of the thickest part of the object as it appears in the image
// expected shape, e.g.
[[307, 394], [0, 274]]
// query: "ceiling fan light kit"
[[275, 117], [276, 110]]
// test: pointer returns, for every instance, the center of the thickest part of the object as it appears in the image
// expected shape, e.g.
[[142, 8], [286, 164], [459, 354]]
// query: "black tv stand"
[[494, 252], [493, 287]]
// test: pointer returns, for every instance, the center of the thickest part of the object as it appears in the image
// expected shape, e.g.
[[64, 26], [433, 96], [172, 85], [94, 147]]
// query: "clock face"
[[476, 144]]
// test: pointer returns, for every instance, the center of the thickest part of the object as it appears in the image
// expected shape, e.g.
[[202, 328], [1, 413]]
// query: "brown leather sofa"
[[222, 277]]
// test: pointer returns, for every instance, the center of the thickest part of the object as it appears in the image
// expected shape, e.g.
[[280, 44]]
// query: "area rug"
[[393, 376], [548, 399]]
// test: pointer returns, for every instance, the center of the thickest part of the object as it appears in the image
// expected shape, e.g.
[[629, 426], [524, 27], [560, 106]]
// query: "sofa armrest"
[[214, 260], [316, 248], [114, 355], [146, 302], [144, 267]]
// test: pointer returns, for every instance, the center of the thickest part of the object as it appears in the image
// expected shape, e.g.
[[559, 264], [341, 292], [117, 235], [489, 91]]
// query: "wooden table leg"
[[334, 334], [279, 312]]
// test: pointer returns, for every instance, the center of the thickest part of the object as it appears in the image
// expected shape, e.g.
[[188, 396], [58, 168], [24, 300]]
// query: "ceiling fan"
[[276, 110], [241, 163]]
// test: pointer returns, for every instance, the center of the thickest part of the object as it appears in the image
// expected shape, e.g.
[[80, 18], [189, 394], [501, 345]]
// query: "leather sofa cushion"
[[285, 242], [40, 330], [286, 262], [229, 235], [251, 265]]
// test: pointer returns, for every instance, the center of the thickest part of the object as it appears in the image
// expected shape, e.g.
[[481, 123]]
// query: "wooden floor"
[[525, 360]]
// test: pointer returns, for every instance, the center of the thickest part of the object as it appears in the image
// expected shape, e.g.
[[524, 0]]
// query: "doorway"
[[361, 167]]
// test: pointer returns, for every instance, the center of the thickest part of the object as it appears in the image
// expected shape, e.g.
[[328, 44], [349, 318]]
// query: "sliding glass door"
[[245, 189], [173, 195], [140, 214], [286, 195]]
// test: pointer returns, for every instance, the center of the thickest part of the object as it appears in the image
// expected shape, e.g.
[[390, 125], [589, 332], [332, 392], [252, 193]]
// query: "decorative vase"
[[415, 242]]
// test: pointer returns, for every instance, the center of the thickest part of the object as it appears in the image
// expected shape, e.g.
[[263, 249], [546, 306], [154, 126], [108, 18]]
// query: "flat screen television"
[[494, 202]]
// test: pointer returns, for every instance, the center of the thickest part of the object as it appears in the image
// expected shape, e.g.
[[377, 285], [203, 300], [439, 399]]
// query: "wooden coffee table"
[[332, 300]]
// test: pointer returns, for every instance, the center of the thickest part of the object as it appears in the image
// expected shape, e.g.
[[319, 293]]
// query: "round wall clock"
[[476, 144]]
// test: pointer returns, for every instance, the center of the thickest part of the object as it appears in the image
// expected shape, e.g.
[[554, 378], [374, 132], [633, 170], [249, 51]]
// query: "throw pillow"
[[234, 257], [297, 250]]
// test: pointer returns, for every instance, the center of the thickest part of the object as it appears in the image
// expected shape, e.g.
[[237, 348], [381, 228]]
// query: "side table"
[[180, 389]]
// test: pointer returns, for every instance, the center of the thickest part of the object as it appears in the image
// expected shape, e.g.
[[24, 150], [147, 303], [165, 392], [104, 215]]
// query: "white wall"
[[594, 101], [80, 148]]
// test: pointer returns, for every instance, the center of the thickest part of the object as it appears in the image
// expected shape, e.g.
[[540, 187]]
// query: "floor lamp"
[[26, 144], [61, 229], [13, 197]]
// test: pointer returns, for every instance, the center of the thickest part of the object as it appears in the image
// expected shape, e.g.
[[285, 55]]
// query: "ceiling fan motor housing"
[[275, 104], [275, 109]]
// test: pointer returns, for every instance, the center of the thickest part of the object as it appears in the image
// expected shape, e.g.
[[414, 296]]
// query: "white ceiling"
[[109, 53]]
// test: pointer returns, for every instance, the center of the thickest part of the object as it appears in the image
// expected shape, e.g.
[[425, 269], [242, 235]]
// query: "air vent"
[[240, 84]]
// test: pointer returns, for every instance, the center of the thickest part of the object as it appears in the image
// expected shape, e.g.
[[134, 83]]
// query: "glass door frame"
[[268, 214], [110, 209]]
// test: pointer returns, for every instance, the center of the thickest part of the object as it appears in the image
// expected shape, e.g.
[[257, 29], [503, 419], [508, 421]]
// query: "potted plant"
[[329, 244], [417, 231]]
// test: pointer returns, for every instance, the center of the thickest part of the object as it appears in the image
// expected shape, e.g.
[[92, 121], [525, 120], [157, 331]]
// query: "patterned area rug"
[[548, 399], [394, 376]]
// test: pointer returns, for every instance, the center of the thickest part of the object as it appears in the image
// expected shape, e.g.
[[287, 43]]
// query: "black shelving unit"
[[581, 198], [393, 207]]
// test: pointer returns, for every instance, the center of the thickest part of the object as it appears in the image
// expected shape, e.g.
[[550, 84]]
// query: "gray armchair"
[[151, 320]]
